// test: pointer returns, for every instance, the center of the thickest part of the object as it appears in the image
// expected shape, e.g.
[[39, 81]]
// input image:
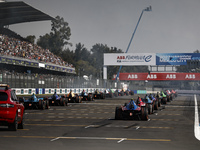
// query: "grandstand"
[[19, 55], [23, 64]]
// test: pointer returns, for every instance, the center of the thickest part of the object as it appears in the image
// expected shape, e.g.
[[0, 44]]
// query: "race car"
[[11, 111], [174, 93], [163, 97], [131, 111], [35, 103], [139, 102], [130, 92], [86, 96], [150, 104], [98, 95], [109, 93], [121, 92], [158, 97], [73, 98], [156, 101], [169, 95], [57, 100]]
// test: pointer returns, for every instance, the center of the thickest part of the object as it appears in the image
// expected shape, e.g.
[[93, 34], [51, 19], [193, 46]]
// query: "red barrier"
[[159, 76]]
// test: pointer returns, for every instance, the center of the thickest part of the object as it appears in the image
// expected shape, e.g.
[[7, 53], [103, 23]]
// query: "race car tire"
[[171, 98], [144, 113], [90, 98], [42, 104], [118, 113], [153, 106], [102, 96], [159, 102], [76, 99], [61, 102], [47, 104], [164, 100], [13, 126], [150, 109], [156, 105], [79, 99], [168, 99], [111, 95]]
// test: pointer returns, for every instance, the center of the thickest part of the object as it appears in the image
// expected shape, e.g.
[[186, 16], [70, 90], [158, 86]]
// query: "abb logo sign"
[[171, 76], [151, 76], [120, 57], [133, 76], [190, 76]]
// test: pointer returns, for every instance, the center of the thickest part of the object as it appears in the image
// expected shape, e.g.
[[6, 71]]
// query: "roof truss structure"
[[20, 12]]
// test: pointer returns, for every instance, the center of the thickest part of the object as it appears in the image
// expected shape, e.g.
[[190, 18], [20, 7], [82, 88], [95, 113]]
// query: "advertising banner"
[[175, 58], [129, 59], [142, 59], [159, 76], [18, 62]]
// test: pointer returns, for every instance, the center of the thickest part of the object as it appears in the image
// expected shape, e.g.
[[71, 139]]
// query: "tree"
[[58, 37], [31, 38], [43, 41], [68, 56], [85, 68]]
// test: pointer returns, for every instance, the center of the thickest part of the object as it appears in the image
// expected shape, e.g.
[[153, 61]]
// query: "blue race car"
[[57, 100], [35, 102], [131, 111], [150, 104], [86, 96]]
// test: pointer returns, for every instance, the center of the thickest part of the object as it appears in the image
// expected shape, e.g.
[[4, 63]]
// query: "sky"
[[173, 26]]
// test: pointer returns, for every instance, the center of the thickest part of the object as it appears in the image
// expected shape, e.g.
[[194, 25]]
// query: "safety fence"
[[41, 81], [48, 81]]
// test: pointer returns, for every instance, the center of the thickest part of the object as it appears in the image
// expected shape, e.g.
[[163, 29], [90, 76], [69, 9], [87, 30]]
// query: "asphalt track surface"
[[91, 126]]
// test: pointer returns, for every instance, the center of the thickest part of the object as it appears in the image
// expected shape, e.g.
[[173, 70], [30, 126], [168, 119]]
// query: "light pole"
[[146, 9]]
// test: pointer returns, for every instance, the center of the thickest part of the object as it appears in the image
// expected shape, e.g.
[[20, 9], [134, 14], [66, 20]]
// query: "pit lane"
[[91, 125]]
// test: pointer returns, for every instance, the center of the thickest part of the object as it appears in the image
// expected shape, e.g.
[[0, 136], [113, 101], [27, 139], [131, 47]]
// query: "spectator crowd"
[[11, 46]]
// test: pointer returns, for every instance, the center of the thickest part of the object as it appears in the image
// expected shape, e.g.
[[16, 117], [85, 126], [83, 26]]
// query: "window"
[[3, 96], [13, 96]]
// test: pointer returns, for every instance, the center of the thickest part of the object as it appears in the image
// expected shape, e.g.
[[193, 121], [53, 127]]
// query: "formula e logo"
[[148, 58]]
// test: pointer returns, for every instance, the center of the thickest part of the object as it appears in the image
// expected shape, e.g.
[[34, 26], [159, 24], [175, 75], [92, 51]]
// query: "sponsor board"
[[159, 76], [175, 58], [147, 59], [129, 59]]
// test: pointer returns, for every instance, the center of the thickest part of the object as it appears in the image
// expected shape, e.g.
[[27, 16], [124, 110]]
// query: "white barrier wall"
[[29, 91]]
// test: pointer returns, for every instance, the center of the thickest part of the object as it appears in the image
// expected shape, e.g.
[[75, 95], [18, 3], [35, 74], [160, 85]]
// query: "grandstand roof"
[[20, 12]]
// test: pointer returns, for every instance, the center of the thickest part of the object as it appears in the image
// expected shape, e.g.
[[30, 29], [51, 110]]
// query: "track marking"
[[23, 129], [176, 106], [117, 139], [196, 120], [143, 127], [59, 125], [166, 119], [137, 127], [169, 114], [43, 120], [121, 140], [55, 139], [35, 137]]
